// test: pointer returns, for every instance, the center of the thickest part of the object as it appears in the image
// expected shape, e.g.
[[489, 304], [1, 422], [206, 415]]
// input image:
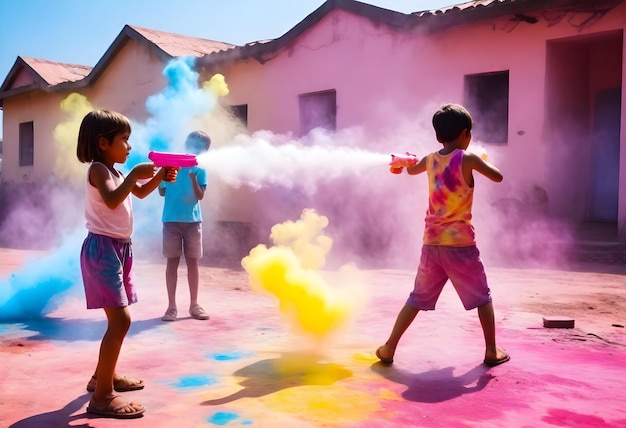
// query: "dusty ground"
[[246, 367]]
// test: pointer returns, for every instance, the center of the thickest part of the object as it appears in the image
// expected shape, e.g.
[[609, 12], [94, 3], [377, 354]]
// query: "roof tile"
[[57, 72], [179, 45]]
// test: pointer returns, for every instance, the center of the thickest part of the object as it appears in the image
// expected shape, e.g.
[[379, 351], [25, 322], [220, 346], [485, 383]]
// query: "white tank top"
[[102, 220]]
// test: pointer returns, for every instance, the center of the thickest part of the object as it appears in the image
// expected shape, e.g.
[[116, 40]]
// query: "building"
[[543, 78]]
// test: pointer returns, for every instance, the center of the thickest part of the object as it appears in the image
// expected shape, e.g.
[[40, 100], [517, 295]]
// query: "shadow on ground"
[[436, 386]]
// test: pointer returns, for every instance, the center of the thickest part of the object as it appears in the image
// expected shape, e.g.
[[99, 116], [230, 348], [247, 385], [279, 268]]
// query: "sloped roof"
[[431, 20], [50, 76], [163, 44], [30, 73], [258, 50], [54, 73], [176, 45], [489, 9]]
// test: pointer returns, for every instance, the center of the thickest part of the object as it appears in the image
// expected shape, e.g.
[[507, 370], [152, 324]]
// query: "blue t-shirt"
[[181, 204]]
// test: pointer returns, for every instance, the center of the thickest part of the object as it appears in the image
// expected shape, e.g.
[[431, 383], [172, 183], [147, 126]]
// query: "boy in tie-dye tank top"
[[449, 250]]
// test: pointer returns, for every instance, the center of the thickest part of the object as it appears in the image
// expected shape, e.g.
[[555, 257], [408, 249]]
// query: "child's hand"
[[170, 173], [402, 161], [192, 176], [144, 170]]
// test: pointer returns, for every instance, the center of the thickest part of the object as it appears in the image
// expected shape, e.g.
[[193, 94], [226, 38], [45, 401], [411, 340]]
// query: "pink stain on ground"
[[245, 367]]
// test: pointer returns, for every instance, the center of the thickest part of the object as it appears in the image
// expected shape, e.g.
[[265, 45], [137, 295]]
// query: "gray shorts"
[[182, 238]]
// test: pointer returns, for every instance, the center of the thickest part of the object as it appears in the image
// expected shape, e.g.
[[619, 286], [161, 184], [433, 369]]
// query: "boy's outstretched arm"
[[418, 168], [473, 162]]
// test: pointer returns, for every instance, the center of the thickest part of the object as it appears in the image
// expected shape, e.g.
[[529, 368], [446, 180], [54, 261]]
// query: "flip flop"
[[198, 313], [109, 411], [124, 384], [383, 360], [492, 362]]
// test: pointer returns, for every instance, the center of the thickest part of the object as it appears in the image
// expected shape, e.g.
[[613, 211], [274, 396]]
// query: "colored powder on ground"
[[228, 356], [194, 381], [223, 418]]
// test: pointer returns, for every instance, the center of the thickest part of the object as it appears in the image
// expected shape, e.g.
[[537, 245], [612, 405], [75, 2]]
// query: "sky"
[[80, 31]]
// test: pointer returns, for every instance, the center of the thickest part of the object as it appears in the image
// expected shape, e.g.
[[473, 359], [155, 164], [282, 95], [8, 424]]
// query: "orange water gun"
[[401, 161]]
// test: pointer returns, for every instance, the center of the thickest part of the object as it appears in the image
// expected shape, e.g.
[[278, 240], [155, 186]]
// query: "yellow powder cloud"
[[67, 167], [288, 272]]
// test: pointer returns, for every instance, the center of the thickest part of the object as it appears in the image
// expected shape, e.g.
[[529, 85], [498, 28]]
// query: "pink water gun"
[[181, 160], [399, 162]]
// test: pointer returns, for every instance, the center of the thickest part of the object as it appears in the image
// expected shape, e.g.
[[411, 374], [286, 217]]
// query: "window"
[[27, 144], [241, 113], [318, 110], [487, 98]]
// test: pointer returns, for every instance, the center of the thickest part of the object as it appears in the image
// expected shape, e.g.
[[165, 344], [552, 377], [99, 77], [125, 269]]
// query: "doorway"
[[582, 126], [605, 143]]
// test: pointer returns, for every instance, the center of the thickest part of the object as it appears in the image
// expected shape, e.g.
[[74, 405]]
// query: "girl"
[[106, 256]]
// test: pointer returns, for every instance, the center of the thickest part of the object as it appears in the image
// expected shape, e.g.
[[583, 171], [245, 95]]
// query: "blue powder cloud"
[[38, 288]]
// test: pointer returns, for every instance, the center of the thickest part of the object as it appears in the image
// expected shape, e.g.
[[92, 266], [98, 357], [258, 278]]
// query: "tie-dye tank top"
[[449, 214]]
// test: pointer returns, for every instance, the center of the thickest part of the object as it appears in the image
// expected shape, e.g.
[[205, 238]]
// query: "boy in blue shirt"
[[182, 227]]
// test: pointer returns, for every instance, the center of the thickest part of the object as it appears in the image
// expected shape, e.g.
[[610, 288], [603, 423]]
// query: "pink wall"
[[389, 82], [384, 77]]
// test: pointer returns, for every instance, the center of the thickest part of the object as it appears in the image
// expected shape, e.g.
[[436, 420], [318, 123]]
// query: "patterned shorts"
[[106, 264], [461, 265]]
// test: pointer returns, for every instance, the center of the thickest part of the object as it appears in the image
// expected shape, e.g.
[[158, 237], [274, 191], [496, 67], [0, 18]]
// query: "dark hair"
[[198, 142], [96, 124], [449, 121]]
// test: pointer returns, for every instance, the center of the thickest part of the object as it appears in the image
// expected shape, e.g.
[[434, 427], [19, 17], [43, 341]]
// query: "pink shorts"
[[106, 264], [462, 265]]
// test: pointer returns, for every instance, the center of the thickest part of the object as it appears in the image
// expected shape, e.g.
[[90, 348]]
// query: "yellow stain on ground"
[[365, 356], [324, 405], [386, 394]]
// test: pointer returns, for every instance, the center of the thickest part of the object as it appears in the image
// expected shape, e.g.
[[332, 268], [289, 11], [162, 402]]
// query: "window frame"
[[27, 143], [485, 96], [307, 121]]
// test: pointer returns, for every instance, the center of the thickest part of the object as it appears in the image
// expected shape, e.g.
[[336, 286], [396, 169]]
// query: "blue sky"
[[80, 31]]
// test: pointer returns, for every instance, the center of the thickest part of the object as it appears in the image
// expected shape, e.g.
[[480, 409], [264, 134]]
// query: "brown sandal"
[[198, 313], [109, 411], [123, 384]]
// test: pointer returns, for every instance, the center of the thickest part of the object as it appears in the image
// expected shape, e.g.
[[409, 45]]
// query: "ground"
[[246, 367]]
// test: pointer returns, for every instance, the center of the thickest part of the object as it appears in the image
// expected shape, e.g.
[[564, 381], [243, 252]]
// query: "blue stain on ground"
[[229, 356], [224, 418], [195, 381]]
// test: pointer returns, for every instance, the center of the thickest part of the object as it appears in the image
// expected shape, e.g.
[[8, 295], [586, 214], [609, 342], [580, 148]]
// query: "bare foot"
[[497, 358], [385, 354], [120, 384]]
